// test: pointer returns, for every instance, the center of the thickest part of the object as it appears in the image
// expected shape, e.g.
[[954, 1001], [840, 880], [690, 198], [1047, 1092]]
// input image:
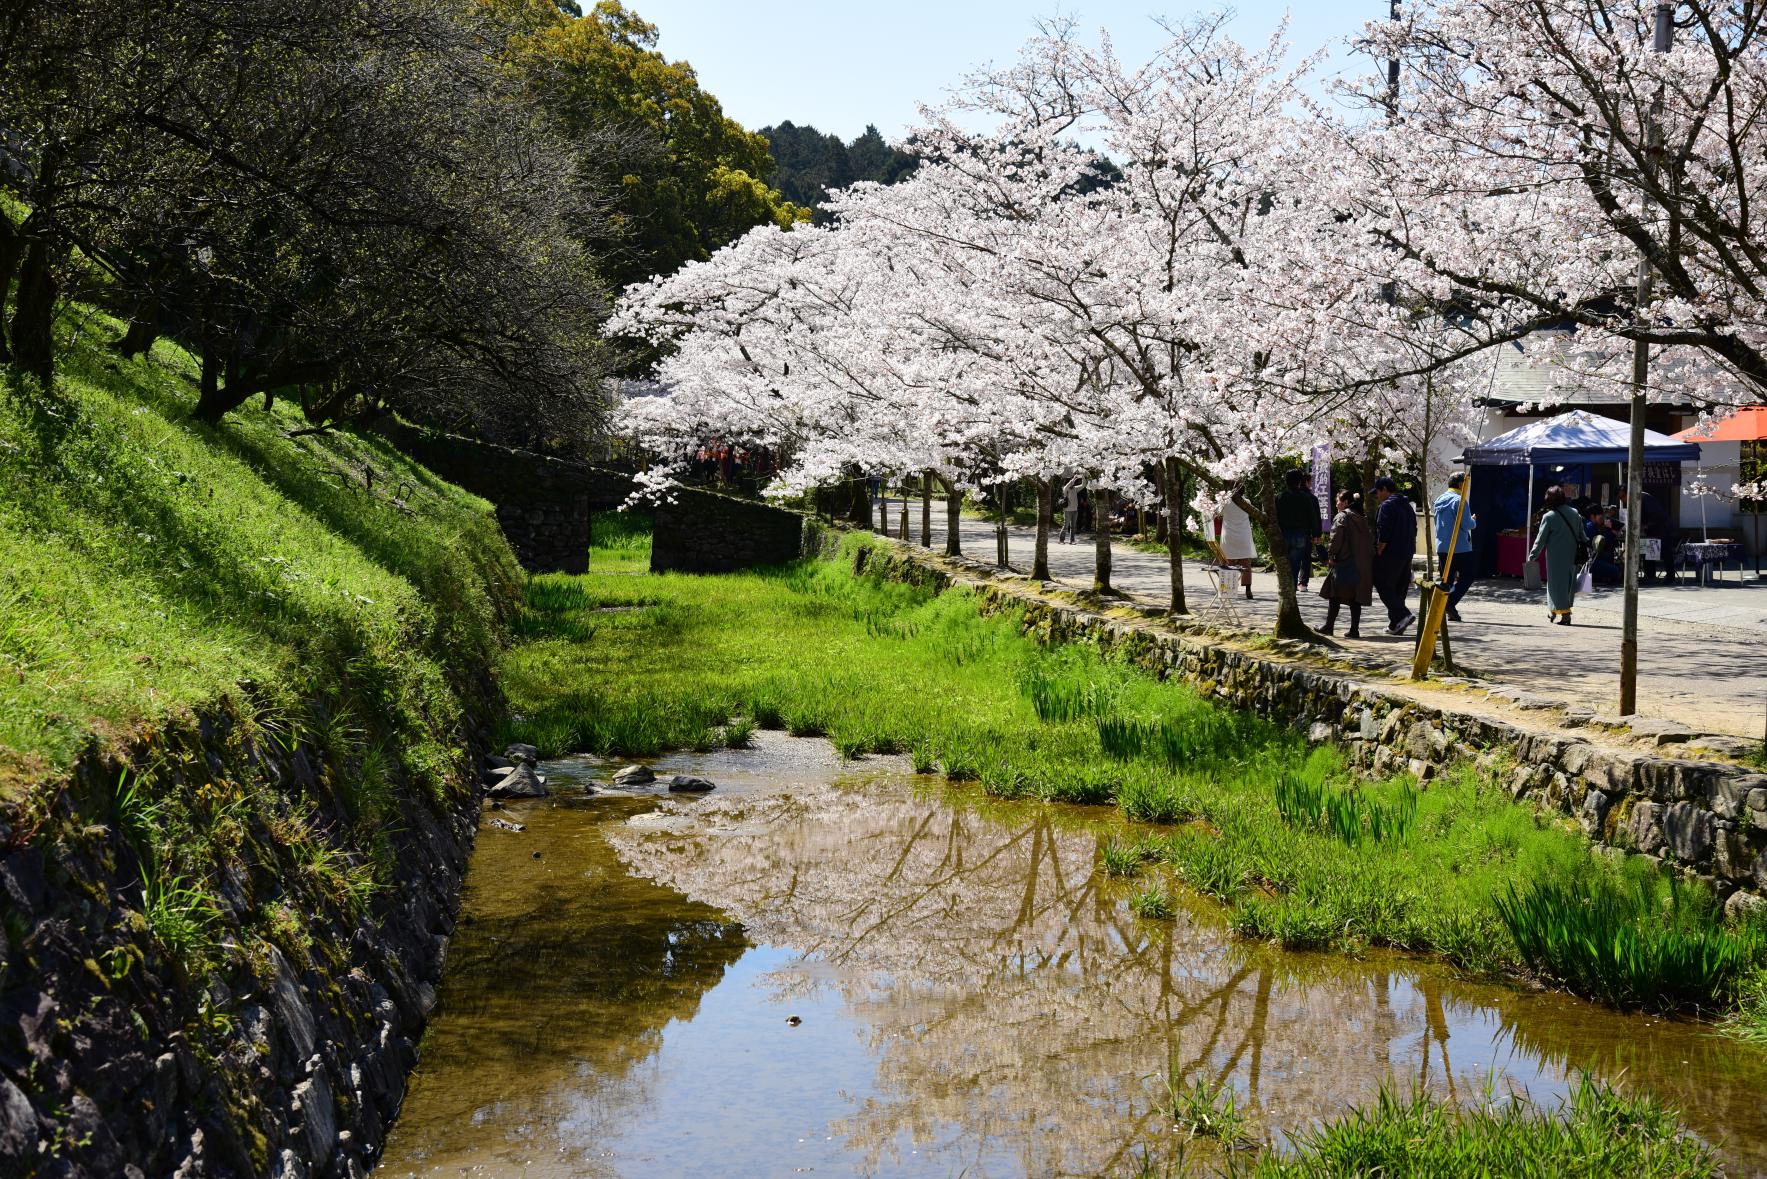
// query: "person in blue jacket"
[[1446, 508]]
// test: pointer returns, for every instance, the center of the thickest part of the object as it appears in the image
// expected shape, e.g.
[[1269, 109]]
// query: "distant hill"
[[809, 164]]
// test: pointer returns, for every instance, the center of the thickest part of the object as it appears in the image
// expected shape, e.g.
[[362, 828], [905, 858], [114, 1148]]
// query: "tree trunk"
[[12, 246], [926, 509], [144, 329], [1045, 511], [953, 518], [1101, 541], [215, 401], [859, 499], [1289, 623], [33, 313], [1172, 481], [1002, 549]]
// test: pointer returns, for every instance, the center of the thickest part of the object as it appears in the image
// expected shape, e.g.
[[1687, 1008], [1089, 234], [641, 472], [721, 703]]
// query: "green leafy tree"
[[812, 164], [685, 178]]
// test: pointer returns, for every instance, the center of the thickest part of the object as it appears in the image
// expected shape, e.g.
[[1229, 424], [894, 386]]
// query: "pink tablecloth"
[[1512, 553]]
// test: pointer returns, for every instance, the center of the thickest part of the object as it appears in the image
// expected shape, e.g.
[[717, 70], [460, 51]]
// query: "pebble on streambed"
[[683, 784]]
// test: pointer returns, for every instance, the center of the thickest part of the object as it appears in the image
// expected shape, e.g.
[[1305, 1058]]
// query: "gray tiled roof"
[[1523, 372]]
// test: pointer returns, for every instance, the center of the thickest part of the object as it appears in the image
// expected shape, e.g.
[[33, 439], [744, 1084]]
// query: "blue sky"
[[840, 65]]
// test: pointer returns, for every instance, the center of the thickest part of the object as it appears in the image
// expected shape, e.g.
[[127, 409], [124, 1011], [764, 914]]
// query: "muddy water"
[[971, 996]]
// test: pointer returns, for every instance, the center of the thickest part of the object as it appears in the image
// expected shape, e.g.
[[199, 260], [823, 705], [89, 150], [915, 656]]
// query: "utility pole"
[[1665, 30]]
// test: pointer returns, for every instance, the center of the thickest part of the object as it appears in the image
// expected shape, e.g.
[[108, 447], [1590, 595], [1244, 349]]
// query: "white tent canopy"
[[1574, 437]]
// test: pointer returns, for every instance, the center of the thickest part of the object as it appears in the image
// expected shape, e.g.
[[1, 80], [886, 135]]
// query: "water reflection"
[[975, 998], [1005, 988]]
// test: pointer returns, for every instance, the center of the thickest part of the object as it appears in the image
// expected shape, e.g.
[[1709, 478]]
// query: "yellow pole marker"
[[1426, 634]]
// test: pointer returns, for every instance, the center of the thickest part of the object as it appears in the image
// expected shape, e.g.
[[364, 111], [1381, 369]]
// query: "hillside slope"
[[244, 676]]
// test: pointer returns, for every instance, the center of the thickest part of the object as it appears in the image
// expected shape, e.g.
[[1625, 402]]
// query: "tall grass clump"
[[1625, 944], [1749, 1021], [1194, 737], [1599, 1133], [1205, 1108], [1350, 815]]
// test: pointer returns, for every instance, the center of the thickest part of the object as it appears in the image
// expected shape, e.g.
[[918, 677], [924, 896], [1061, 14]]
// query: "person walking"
[[1070, 509], [1395, 543], [1560, 537], [1447, 511], [1233, 530], [1297, 515], [1349, 565]]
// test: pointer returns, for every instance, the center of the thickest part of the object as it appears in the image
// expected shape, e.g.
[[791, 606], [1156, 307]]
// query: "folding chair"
[[1224, 579]]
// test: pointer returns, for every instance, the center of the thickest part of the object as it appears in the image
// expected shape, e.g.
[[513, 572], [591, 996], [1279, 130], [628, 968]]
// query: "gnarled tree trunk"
[[1172, 484], [953, 518], [1045, 511], [12, 246], [143, 330], [926, 509], [33, 313], [1289, 623], [1101, 541]]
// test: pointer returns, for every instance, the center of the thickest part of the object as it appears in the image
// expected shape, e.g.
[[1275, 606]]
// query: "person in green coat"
[[1561, 530]]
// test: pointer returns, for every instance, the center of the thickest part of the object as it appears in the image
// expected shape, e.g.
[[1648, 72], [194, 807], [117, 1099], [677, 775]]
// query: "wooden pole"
[[1437, 610]]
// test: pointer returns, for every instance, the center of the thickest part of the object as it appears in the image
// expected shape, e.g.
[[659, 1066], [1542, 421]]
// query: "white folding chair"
[[1224, 580]]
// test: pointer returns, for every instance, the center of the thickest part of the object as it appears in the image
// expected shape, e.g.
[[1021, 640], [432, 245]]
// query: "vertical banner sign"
[[1322, 483]]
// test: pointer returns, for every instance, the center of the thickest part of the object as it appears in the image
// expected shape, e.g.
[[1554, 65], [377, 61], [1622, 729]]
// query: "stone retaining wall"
[[287, 1059], [543, 503], [1705, 818], [699, 531]]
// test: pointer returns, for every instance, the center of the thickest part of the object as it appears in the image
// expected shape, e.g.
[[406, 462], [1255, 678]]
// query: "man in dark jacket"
[[1297, 515], [1395, 543]]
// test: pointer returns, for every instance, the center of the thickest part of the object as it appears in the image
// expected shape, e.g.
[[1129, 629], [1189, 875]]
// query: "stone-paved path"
[[1702, 651]]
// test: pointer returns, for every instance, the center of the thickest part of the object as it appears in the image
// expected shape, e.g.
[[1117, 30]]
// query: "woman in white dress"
[[1233, 528]]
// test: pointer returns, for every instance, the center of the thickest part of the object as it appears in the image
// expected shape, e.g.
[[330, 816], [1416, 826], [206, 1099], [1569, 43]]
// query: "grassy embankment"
[[151, 566], [1235, 808]]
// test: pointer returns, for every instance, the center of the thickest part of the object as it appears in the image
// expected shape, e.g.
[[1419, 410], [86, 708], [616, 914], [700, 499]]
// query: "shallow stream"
[[843, 969]]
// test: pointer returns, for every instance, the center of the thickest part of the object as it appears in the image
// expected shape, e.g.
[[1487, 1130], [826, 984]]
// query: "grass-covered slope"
[[149, 563]]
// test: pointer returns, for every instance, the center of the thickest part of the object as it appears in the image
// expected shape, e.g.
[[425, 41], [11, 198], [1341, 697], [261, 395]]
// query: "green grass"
[[154, 570], [1205, 1109], [1235, 808], [1598, 1133], [1626, 944], [1749, 1022], [149, 563]]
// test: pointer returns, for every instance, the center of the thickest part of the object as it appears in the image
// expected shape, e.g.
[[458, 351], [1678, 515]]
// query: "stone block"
[[315, 1112], [1733, 854], [1729, 797], [1418, 740], [1593, 814], [1688, 832], [1644, 825], [1743, 903], [1661, 732]]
